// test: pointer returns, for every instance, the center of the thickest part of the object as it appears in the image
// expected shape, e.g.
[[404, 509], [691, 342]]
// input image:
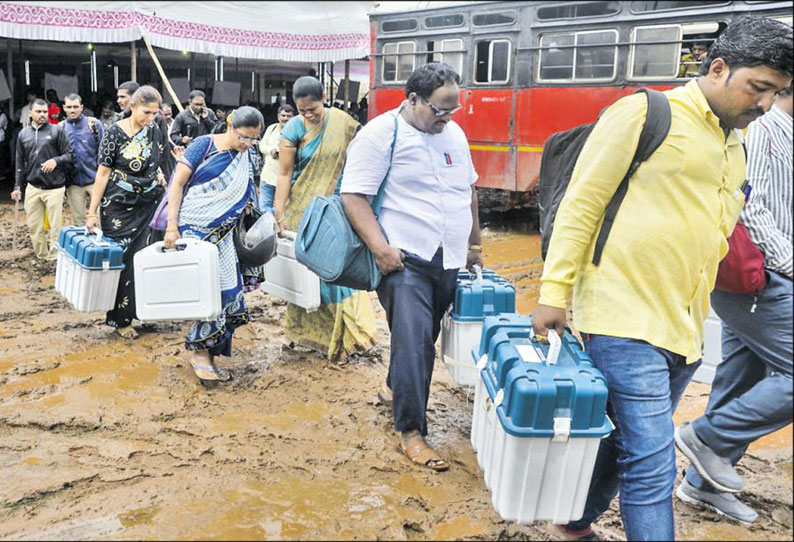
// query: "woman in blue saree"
[[219, 171]]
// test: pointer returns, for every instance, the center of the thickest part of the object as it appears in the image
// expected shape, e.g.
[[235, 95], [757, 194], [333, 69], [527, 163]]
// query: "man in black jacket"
[[197, 120], [43, 153]]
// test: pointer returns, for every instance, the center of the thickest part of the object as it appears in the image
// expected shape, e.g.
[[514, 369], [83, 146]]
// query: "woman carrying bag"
[[218, 170], [312, 154]]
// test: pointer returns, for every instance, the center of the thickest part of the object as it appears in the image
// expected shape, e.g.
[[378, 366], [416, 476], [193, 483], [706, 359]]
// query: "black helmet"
[[255, 238]]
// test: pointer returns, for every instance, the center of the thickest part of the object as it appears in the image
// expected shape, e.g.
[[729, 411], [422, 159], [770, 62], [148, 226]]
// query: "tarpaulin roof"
[[290, 31]]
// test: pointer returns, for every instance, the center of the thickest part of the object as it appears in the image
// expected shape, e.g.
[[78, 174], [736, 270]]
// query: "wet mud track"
[[103, 438]]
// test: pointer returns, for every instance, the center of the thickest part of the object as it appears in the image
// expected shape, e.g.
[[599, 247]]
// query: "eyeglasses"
[[442, 112], [248, 140]]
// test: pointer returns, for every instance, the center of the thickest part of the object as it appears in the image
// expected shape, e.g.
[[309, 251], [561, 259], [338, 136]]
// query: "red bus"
[[529, 69]]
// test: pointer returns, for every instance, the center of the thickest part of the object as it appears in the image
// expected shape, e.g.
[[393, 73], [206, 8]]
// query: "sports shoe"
[[717, 470], [725, 504], [561, 532]]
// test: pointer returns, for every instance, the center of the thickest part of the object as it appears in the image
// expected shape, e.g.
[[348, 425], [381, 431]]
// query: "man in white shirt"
[[269, 149], [24, 114], [426, 230]]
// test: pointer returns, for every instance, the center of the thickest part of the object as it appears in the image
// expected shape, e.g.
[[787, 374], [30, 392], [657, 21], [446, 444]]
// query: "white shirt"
[[767, 214], [427, 199], [24, 116], [269, 142]]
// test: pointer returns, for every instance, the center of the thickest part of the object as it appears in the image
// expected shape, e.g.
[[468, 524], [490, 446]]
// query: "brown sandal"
[[127, 332], [418, 451]]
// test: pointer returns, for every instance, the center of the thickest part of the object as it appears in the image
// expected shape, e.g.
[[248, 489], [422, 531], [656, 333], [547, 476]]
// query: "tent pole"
[[192, 71], [163, 76], [10, 79], [332, 84], [133, 62], [347, 85]]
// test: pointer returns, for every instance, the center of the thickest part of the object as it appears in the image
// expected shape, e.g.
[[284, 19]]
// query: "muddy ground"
[[101, 438]]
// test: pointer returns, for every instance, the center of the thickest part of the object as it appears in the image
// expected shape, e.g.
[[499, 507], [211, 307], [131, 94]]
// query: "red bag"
[[742, 269]]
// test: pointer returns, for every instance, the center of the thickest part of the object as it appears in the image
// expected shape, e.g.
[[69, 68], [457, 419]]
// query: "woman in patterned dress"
[[128, 187], [218, 170]]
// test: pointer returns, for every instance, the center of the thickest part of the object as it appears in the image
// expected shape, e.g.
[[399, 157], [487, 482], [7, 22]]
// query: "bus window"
[[492, 61], [397, 68], [654, 60], [570, 11], [401, 25], [665, 5], [556, 62], [696, 40], [493, 19], [578, 56], [593, 62], [444, 21], [449, 51]]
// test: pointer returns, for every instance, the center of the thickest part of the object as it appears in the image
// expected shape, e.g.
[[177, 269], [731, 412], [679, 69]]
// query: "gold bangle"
[[90, 215], [171, 219], [475, 247], [171, 230]]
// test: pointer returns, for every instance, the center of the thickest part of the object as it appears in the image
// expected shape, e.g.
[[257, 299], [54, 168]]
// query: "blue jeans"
[[267, 194], [751, 395], [638, 458]]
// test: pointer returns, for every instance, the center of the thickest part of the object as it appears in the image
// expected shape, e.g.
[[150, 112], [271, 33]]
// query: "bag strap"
[[378, 201], [654, 131]]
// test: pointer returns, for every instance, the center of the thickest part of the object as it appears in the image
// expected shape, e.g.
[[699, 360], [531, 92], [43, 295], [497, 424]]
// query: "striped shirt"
[[769, 172]]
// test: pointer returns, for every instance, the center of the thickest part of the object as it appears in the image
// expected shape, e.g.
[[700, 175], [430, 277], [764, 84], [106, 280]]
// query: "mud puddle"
[[101, 438]]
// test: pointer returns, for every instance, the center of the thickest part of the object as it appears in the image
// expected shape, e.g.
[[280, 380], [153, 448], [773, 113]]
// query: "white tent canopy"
[[288, 31]]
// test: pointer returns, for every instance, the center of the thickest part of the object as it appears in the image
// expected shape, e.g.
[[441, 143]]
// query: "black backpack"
[[561, 151]]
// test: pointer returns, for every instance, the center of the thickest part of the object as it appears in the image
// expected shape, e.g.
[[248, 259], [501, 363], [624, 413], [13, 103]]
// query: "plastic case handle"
[[554, 347], [478, 271], [99, 236], [96, 232], [179, 244]]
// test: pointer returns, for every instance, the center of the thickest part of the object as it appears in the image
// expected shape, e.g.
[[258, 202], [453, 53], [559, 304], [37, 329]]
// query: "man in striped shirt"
[[751, 395]]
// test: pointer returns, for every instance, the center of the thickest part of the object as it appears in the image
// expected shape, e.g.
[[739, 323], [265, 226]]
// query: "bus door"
[[488, 107]]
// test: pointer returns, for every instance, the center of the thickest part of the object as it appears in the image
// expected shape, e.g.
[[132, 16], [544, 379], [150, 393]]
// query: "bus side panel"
[[543, 111], [528, 169], [488, 115], [385, 99], [487, 121], [494, 167]]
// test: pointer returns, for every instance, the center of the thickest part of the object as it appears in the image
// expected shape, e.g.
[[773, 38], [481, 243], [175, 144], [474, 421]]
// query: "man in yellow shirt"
[[688, 67], [641, 310]]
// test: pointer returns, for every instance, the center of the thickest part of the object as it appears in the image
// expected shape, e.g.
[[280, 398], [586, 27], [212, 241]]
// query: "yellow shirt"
[[660, 261], [689, 66]]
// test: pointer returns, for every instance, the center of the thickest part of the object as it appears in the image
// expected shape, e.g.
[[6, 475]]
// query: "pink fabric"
[[25, 14]]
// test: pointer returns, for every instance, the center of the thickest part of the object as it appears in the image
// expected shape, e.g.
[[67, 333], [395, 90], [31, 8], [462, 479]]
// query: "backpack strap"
[[654, 131], [378, 201]]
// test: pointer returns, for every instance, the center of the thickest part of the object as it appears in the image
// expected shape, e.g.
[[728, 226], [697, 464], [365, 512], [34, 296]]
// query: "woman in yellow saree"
[[312, 154]]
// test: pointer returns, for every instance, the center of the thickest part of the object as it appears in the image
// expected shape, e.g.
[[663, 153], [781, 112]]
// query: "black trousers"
[[415, 300]]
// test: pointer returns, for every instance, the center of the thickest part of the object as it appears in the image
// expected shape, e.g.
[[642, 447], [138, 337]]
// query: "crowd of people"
[[640, 311]]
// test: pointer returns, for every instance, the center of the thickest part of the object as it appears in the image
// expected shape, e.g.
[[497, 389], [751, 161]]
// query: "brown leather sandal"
[[418, 451]]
